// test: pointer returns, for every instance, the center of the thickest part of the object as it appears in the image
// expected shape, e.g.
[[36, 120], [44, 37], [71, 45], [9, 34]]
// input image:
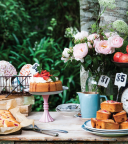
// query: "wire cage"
[[16, 85]]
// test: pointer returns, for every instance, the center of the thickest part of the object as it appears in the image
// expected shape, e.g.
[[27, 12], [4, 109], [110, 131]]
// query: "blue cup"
[[89, 103]]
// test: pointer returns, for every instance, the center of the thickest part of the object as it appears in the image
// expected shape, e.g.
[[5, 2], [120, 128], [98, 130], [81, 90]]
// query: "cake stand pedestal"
[[46, 116]]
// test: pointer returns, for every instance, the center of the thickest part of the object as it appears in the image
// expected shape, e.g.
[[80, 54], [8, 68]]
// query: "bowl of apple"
[[120, 59]]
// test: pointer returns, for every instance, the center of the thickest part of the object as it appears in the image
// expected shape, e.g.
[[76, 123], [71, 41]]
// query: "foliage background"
[[32, 31]]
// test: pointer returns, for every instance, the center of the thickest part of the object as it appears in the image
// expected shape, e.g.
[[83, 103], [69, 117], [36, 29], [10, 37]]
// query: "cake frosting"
[[41, 80]]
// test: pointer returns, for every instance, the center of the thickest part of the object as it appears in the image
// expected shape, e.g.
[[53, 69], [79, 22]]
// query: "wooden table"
[[73, 125]]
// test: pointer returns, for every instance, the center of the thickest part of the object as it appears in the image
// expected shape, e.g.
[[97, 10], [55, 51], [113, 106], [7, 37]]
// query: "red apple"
[[127, 48], [123, 58], [116, 56]]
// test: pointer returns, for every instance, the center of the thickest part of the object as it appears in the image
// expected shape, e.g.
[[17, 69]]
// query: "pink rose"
[[92, 37], [112, 51], [115, 41], [95, 42], [80, 51], [109, 34], [103, 47], [89, 45]]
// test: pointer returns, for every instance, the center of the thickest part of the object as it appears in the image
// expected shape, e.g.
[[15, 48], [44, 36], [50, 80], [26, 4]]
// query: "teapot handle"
[[103, 96]]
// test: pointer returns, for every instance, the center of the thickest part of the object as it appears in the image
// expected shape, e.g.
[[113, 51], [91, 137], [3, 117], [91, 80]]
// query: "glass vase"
[[91, 84]]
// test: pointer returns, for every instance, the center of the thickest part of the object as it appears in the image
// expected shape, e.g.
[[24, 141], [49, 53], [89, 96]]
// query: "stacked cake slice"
[[111, 116]]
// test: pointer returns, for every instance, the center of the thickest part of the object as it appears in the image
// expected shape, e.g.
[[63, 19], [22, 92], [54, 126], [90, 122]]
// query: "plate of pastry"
[[108, 134], [88, 126], [111, 118]]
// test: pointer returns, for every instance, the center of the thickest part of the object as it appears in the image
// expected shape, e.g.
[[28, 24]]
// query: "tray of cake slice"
[[110, 116]]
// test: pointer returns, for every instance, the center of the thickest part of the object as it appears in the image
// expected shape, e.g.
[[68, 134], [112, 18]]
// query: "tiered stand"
[[46, 116]]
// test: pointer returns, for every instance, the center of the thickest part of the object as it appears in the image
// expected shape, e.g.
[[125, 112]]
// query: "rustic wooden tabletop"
[[69, 123]]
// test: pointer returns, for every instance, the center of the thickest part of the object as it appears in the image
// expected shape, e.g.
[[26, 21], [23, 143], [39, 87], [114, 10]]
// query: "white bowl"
[[69, 109]]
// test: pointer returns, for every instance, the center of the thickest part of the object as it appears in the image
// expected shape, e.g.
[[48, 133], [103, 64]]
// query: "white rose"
[[81, 35], [65, 59], [65, 53]]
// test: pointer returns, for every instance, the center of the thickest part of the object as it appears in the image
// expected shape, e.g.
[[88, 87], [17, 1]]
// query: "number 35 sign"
[[120, 79]]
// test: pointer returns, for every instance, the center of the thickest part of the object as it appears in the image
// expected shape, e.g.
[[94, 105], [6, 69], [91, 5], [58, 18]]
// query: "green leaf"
[[50, 28], [88, 59], [40, 52], [48, 59], [23, 63], [2, 5], [54, 72], [36, 60], [39, 68], [31, 50], [16, 39], [14, 53], [53, 78], [95, 63], [98, 57]]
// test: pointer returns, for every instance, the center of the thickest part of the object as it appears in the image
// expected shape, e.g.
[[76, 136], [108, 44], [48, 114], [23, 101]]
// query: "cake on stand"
[[46, 116]]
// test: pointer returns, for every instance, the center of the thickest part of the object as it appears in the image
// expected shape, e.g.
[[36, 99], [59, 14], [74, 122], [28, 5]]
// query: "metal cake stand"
[[46, 116]]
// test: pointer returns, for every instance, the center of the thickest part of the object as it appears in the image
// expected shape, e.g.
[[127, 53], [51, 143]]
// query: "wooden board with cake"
[[110, 116]]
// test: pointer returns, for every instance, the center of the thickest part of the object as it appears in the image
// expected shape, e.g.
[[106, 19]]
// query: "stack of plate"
[[104, 132]]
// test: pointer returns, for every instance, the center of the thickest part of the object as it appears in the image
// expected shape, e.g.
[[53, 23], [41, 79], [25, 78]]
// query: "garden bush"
[[32, 31]]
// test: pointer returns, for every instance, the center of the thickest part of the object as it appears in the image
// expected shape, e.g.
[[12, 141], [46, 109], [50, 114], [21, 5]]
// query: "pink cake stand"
[[46, 116]]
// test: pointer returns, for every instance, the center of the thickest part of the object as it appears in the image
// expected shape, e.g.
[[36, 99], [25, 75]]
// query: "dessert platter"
[[111, 120]]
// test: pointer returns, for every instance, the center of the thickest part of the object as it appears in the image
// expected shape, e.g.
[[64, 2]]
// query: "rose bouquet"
[[93, 51]]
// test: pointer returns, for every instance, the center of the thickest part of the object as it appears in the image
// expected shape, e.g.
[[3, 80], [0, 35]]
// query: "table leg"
[[46, 116]]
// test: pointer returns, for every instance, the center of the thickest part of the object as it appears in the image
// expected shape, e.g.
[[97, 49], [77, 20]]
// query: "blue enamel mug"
[[89, 103]]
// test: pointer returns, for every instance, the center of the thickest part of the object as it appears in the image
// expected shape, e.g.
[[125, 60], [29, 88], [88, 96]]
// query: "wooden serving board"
[[14, 133]]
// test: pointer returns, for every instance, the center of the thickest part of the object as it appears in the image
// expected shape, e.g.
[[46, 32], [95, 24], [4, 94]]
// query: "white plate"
[[88, 126], [104, 134], [46, 93], [64, 107], [64, 110]]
